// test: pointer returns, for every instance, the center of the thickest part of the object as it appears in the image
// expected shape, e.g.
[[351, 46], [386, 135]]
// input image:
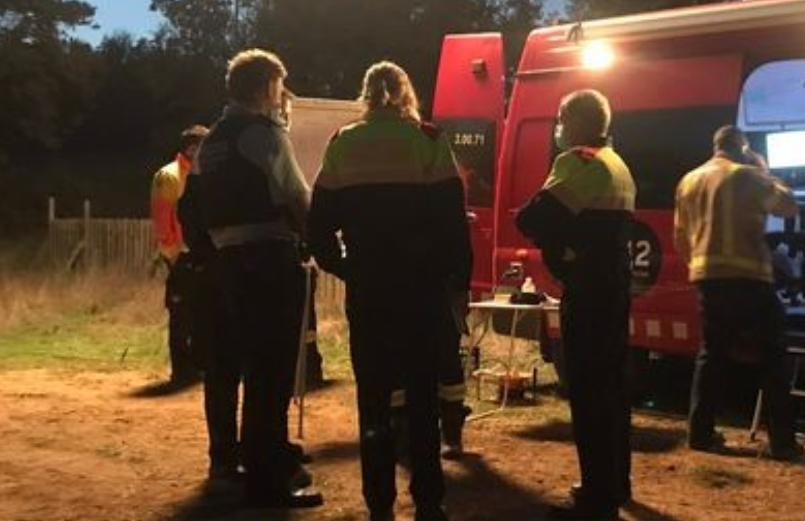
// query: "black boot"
[[453, 415]]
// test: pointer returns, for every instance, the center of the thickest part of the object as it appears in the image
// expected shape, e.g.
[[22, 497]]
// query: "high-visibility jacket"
[[167, 188], [391, 187], [581, 218], [720, 218]]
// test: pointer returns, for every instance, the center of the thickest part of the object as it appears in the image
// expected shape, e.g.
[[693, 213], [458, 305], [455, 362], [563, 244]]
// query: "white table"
[[480, 329]]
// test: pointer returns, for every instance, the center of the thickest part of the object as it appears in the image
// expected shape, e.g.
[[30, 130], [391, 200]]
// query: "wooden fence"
[[128, 245]]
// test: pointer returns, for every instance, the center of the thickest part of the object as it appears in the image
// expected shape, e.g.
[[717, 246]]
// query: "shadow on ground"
[[336, 451], [644, 439], [642, 512], [162, 389], [480, 494], [222, 503]]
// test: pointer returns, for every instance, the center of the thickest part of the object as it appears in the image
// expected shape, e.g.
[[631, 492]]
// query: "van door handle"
[[472, 217]]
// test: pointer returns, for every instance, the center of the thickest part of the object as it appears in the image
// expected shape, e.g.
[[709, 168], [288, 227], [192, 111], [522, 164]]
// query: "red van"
[[673, 77]]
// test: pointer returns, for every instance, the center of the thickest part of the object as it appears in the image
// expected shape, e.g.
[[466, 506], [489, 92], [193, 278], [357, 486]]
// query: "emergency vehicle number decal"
[[646, 258], [473, 144]]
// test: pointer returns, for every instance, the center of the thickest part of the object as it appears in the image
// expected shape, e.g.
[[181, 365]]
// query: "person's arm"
[[779, 199], [547, 218], [292, 181], [324, 219], [285, 179], [164, 197], [681, 226], [450, 204], [452, 234]]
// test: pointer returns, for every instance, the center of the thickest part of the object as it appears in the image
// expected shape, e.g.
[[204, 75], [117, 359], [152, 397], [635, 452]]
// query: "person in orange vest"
[[719, 227], [166, 190]]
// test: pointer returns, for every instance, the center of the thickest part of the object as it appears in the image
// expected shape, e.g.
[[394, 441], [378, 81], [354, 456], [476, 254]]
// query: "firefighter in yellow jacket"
[[719, 227], [166, 190], [581, 220]]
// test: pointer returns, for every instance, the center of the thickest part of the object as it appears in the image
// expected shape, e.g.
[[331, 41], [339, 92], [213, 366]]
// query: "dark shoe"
[[298, 452], [716, 444], [430, 514], [793, 454], [387, 515], [582, 510], [298, 498], [232, 473], [300, 478], [181, 380], [624, 496], [453, 416]]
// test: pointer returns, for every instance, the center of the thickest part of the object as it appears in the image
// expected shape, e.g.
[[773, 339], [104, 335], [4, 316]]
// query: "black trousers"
[[223, 358], [179, 290], [595, 327], [263, 294], [741, 314], [394, 338]]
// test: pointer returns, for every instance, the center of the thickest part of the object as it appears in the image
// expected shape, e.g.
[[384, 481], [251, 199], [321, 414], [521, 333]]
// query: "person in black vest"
[[254, 201]]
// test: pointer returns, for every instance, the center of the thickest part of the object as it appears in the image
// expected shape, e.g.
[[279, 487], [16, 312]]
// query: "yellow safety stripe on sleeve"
[[702, 263], [398, 398], [453, 393]]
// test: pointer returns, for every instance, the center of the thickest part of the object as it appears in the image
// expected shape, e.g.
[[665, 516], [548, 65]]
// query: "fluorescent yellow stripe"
[[702, 262], [452, 393], [398, 398]]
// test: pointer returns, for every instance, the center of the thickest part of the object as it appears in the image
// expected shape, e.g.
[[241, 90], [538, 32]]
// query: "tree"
[[588, 9], [211, 28], [42, 93]]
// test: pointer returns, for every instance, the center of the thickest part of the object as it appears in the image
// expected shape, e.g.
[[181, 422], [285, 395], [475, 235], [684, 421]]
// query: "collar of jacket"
[[185, 164]]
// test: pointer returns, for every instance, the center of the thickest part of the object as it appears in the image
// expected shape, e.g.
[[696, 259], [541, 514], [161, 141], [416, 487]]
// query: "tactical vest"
[[235, 191]]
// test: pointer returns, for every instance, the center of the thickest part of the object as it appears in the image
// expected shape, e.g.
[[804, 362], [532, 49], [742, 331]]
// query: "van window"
[[773, 98], [661, 146]]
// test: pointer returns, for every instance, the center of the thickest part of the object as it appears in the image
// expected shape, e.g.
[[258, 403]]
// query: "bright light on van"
[[597, 55]]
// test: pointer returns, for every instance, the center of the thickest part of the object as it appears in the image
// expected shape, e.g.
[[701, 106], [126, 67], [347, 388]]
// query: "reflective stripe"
[[248, 233], [398, 398], [453, 393], [448, 393], [703, 262]]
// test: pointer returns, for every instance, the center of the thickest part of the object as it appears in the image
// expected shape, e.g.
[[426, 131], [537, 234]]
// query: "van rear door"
[[469, 105]]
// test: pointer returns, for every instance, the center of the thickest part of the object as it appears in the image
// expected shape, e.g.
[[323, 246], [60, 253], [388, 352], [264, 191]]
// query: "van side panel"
[[469, 106]]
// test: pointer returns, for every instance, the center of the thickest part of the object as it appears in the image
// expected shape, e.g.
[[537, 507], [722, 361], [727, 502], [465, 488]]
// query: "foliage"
[[81, 122], [587, 9]]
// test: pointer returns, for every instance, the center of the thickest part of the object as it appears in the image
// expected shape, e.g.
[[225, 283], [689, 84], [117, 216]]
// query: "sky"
[[134, 17]]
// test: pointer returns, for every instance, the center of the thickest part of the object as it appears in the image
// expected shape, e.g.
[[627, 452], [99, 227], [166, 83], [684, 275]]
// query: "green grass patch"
[[83, 341]]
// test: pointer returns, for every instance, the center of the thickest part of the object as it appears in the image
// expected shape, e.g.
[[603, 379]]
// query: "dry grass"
[[31, 297]]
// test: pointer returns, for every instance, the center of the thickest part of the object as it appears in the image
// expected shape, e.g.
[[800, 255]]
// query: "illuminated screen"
[[786, 149]]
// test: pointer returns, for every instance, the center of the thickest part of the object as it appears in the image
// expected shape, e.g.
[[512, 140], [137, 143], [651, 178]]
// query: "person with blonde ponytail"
[[388, 217]]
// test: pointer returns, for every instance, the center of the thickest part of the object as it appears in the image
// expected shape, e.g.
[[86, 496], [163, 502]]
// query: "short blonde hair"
[[249, 73], [589, 109], [387, 85]]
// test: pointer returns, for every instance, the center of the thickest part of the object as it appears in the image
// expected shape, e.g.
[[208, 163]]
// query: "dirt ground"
[[83, 446]]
